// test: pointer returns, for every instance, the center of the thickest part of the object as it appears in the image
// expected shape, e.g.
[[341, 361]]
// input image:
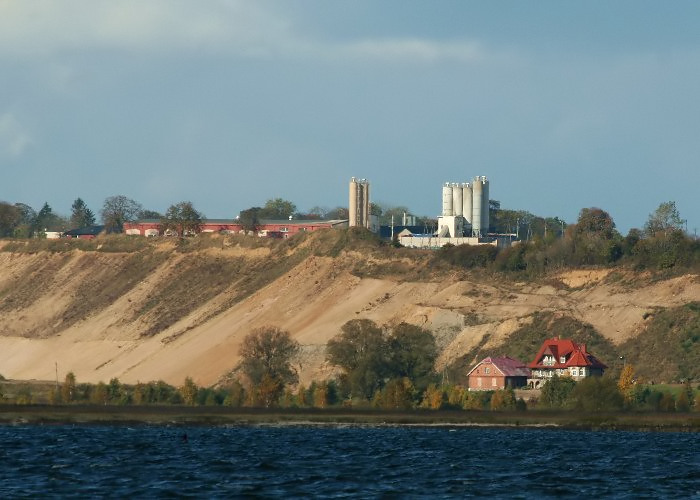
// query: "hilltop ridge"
[[147, 309]]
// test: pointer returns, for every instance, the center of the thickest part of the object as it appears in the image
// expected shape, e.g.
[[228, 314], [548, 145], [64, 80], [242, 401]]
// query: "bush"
[[557, 391], [597, 394]]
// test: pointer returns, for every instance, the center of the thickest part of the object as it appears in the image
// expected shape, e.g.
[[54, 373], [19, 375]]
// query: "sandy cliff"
[[158, 313]]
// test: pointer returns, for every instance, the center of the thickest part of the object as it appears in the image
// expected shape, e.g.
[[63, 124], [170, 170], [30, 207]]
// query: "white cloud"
[[42, 27], [13, 140], [413, 49], [31, 28]]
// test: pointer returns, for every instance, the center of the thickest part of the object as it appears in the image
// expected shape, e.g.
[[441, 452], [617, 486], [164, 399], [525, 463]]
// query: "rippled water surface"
[[344, 461]]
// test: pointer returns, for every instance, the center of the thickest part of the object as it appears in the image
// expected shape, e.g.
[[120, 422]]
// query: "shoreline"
[[226, 416]]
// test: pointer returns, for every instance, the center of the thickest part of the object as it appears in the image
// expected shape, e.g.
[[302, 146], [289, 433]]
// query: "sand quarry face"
[[42, 334]]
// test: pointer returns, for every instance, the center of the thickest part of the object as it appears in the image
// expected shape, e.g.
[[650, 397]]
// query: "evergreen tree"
[[81, 215]]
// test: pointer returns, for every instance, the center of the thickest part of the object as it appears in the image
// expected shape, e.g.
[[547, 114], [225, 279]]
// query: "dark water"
[[344, 461]]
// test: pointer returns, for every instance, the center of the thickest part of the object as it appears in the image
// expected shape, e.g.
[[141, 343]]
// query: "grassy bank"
[[183, 415]]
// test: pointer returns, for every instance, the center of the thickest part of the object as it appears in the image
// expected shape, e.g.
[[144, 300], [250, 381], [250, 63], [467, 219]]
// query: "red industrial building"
[[269, 228]]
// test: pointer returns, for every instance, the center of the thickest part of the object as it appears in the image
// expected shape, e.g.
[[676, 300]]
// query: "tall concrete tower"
[[359, 203], [480, 206]]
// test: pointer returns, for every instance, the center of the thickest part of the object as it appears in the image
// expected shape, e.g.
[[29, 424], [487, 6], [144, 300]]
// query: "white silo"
[[485, 205], [352, 208], [467, 202], [447, 208], [358, 206], [457, 204], [366, 206], [477, 204]]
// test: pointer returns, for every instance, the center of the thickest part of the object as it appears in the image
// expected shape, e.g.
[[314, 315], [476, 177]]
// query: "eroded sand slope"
[[39, 329]]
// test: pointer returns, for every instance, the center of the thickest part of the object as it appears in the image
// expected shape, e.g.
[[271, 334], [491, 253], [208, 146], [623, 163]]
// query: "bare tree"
[[117, 210]]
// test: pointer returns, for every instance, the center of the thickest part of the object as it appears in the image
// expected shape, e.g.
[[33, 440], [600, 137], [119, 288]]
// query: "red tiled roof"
[[574, 354], [510, 367]]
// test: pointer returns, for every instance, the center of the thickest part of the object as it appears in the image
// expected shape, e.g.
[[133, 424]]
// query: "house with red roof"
[[565, 358], [498, 373]]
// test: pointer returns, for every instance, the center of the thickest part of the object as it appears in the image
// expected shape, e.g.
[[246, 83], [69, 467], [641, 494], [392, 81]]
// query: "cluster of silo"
[[359, 203], [470, 201]]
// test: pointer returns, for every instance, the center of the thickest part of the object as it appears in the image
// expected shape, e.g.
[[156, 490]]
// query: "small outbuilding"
[[494, 373]]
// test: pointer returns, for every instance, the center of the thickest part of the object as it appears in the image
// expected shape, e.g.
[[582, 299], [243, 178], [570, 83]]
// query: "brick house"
[[498, 373], [565, 358]]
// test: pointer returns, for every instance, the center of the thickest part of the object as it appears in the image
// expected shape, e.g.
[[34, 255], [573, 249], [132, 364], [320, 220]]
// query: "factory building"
[[464, 219], [465, 209]]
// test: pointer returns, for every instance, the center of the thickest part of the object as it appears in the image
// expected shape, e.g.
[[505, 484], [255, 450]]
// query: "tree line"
[[661, 244], [390, 367], [20, 220]]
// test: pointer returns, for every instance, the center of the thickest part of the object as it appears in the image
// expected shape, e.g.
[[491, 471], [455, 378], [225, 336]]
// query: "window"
[[284, 229], [478, 381], [574, 372], [487, 370], [494, 382], [562, 359]]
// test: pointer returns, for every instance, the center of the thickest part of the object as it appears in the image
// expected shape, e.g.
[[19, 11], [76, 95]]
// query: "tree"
[[99, 394], [68, 388], [318, 212], [360, 351], [25, 226], [396, 212], [117, 210], [398, 393], [595, 221], [150, 214], [556, 391], [10, 217], [81, 215], [235, 395], [278, 209], [625, 383], [188, 391], [683, 403], [433, 398], [250, 219], [412, 354], [182, 218], [664, 219], [597, 394], [338, 213], [595, 239], [503, 399], [269, 351], [47, 220]]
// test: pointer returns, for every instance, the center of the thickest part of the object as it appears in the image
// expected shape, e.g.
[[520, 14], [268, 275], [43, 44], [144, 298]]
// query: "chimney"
[[583, 348]]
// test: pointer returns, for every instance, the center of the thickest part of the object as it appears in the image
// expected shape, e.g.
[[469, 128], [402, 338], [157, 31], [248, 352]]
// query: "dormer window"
[[562, 359]]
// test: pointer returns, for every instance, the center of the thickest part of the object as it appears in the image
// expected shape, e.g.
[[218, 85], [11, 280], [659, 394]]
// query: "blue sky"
[[563, 105]]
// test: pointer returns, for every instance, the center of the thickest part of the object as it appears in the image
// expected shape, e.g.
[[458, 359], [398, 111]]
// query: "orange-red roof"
[[509, 367], [575, 355]]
